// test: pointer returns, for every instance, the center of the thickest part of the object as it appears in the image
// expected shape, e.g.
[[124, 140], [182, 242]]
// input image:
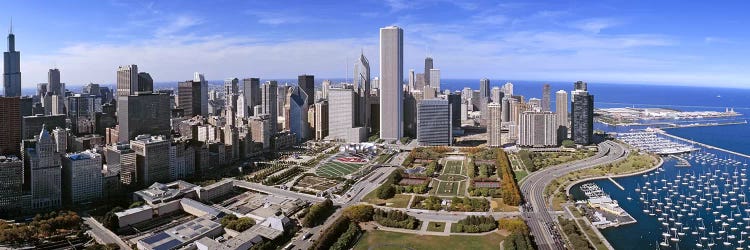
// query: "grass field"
[[447, 188], [453, 167], [398, 201], [520, 174], [436, 226], [399, 241], [337, 169], [498, 205]]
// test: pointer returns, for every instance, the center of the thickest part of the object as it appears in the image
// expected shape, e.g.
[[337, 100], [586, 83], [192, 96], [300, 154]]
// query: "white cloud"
[[595, 25], [276, 18]]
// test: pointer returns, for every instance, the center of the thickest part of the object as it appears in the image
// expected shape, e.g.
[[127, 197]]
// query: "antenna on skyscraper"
[[11, 26]]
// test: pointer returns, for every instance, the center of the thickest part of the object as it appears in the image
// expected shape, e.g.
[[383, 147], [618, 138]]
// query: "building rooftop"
[[181, 235], [158, 192]]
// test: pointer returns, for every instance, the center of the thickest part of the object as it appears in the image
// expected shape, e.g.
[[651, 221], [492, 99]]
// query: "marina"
[[653, 142], [601, 209]]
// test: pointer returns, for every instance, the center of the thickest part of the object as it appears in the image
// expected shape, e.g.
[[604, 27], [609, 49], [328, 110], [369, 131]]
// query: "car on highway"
[[307, 236]]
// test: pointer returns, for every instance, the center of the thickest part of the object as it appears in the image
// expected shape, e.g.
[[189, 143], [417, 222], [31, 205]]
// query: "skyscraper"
[[362, 88], [321, 119], [46, 175], [580, 85], [454, 99], [496, 95], [11, 190], [342, 116], [582, 114], [251, 87], [231, 92], [53, 82], [412, 80], [508, 89], [546, 98], [189, 97], [10, 125], [298, 123], [82, 111], [495, 111], [561, 111], [82, 177], [537, 129], [145, 82], [427, 67], [268, 104], [152, 159], [127, 80], [143, 114], [484, 88], [391, 75], [434, 123], [307, 83], [435, 79], [198, 77], [12, 67], [121, 158]]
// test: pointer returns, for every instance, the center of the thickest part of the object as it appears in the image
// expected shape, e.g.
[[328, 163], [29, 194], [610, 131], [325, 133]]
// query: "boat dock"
[[650, 142], [681, 162], [616, 184], [603, 211], [700, 144]]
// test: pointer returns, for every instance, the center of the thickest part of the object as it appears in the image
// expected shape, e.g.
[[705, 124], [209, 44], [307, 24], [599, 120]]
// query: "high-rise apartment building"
[[546, 98], [537, 129], [391, 75], [494, 121], [412, 80], [496, 95], [561, 111], [582, 115]]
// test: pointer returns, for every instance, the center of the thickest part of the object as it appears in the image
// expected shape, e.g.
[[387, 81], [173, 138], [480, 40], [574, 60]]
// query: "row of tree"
[[575, 236], [519, 238], [475, 224], [510, 192], [42, 226], [317, 213], [275, 179], [330, 235]]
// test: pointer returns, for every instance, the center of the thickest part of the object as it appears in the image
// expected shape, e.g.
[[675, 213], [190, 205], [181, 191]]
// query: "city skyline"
[[524, 41]]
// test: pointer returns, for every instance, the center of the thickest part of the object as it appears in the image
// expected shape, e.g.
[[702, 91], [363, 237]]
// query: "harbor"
[[653, 142], [601, 209]]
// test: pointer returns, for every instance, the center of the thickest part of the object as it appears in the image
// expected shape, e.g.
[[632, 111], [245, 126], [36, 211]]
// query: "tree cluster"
[[513, 225], [262, 174], [395, 218], [576, 238], [519, 241], [475, 224], [467, 204], [275, 179], [348, 238], [231, 221], [510, 192], [359, 213], [387, 190], [330, 235], [317, 213], [42, 226], [429, 203]]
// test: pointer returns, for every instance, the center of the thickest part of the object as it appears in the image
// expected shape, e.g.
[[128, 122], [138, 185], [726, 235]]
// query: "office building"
[[494, 122], [537, 129], [231, 93], [260, 130], [307, 83], [12, 67], [251, 94], [419, 81], [152, 159], [428, 65], [53, 82], [484, 88], [546, 98], [561, 111], [121, 158], [496, 95], [82, 177], [580, 86], [410, 111], [46, 173], [145, 83], [31, 125], [435, 79], [508, 89], [434, 122], [582, 116], [82, 111], [297, 116], [181, 160], [324, 88], [127, 80], [321, 120], [60, 136], [10, 125], [198, 77], [454, 100], [143, 114], [269, 105], [11, 184], [189, 97], [91, 89], [391, 75], [342, 116], [362, 89], [412, 80]]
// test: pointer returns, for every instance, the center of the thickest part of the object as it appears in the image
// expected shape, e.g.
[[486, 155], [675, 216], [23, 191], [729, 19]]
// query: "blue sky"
[[662, 42]]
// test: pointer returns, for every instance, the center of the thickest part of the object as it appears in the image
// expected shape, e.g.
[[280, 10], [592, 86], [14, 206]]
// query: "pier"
[[603, 211], [681, 162], [616, 184], [701, 144]]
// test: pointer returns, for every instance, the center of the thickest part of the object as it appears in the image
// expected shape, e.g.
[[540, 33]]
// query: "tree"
[[241, 224], [110, 219], [227, 219], [568, 143], [386, 191], [359, 213]]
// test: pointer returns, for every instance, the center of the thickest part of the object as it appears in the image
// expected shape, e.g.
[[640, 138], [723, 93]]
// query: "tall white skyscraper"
[[391, 75], [412, 80], [493, 124], [508, 89], [435, 79], [561, 110]]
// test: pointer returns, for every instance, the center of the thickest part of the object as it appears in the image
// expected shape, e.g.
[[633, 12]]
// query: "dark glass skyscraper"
[[12, 67], [307, 83], [582, 114]]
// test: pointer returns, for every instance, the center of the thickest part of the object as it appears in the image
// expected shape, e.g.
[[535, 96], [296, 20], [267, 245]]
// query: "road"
[[358, 191], [102, 234], [277, 191], [536, 211]]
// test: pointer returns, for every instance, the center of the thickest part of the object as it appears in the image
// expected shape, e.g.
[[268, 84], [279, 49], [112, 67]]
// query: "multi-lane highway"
[[536, 210]]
